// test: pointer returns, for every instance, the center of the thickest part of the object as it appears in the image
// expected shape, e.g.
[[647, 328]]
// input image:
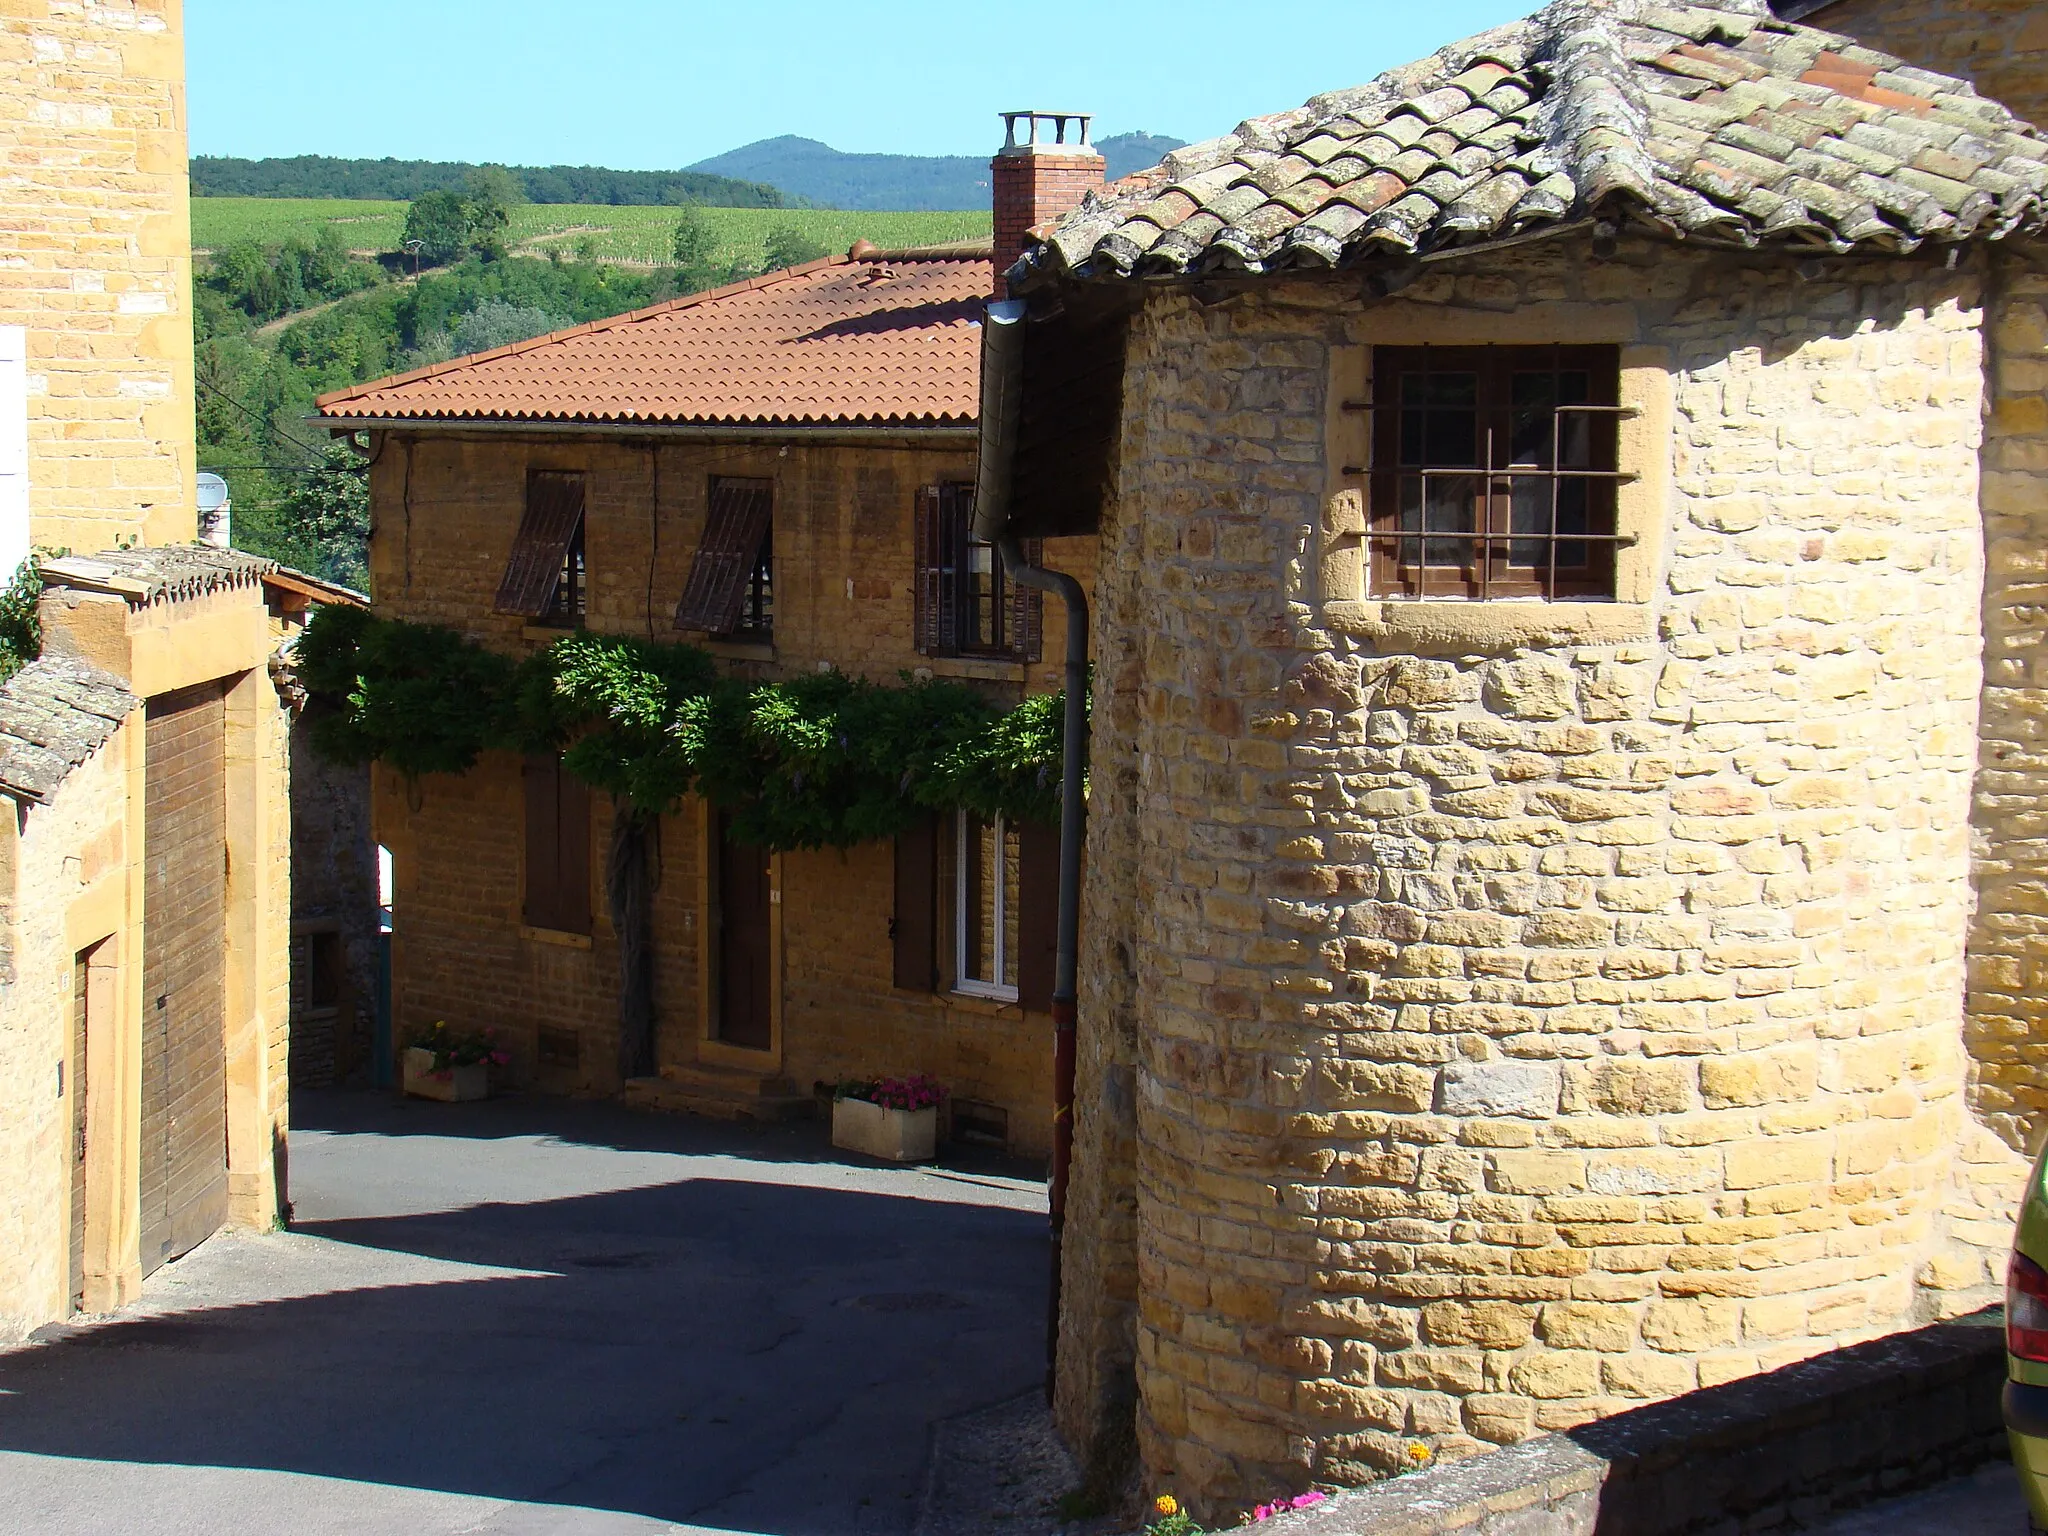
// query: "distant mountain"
[[404, 180], [832, 178]]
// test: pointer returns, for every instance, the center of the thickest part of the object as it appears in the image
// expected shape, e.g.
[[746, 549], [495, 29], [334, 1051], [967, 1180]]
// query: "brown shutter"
[[927, 534], [557, 847], [734, 525], [916, 925], [1024, 625], [543, 878], [1038, 903], [554, 511], [572, 853]]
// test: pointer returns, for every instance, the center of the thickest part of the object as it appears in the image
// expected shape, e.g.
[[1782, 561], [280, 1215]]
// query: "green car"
[[2026, 1347]]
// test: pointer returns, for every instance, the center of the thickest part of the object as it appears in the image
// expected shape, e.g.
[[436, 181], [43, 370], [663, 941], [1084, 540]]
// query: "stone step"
[[708, 1077], [719, 1093]]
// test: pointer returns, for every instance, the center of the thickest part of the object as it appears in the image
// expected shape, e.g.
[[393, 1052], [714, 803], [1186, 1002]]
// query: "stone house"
[[779, 471], [144, 849], [1561, 913], [336, 938]]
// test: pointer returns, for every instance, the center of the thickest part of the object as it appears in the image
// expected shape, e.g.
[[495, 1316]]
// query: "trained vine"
[[822, 760]]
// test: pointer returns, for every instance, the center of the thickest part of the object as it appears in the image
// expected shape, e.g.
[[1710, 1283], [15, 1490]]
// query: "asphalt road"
[[528, 1317], [1986, 1504]]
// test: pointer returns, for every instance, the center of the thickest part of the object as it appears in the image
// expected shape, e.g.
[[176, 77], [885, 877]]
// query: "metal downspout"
[[1002, 359]]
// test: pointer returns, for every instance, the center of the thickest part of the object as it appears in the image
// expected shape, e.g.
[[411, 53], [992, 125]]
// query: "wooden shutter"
[[554, 513], [916, 925], [572, 852], [542, 774], [557, 847], [1024, 624], [1038, 902], [737, 521], [927, 542]]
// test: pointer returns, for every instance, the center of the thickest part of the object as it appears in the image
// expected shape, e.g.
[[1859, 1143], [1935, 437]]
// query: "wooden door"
[[74, 1087], [184, 1172], [745, 975]]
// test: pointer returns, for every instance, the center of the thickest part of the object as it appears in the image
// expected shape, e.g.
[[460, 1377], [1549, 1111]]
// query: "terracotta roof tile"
[[1690, 118], [890, 337]]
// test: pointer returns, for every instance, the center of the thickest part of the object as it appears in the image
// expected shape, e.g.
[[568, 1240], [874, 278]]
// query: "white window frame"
[[963, 829]]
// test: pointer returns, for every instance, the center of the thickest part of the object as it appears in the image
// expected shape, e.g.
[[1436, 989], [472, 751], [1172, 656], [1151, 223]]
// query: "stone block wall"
[[446, 507], [63, 886], [2001, 46], [2008, 1022], [1530, 1028], [95, 262]]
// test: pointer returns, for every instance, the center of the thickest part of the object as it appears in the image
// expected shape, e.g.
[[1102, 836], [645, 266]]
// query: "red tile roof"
[[888, 338]]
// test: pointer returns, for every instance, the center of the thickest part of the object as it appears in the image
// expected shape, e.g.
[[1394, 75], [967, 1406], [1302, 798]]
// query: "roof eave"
[[947, 429]]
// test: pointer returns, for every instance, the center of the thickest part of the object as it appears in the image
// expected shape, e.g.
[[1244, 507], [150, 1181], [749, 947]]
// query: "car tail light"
[[2026, 1309]]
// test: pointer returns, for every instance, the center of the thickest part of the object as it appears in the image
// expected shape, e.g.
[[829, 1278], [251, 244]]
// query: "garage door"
[[184, 1048]]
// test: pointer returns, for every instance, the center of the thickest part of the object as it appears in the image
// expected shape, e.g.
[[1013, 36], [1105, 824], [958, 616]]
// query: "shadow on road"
[[739, 1353]]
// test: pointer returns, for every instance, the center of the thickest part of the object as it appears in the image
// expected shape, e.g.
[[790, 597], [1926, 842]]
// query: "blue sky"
[[654, 84]]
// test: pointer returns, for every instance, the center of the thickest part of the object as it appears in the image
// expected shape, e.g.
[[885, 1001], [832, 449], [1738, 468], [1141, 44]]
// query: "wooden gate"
[[184, 1173], [745, 1003]]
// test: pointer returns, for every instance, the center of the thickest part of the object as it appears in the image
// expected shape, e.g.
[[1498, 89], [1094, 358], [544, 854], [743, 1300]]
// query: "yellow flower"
[[1166, 1504], [1418, 1452]]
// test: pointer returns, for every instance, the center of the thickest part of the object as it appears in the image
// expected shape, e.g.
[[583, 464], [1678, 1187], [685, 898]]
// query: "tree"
[[791, 247], [695, 241], [493, 192], [495, 184], [496, 323], [325, 519], [439, 221]]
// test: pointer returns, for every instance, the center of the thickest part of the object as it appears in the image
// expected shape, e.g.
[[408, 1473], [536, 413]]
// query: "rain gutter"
[[1002, 401]]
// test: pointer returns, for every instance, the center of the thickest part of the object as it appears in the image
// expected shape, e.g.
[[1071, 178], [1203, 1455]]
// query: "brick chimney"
[[1039, 178]]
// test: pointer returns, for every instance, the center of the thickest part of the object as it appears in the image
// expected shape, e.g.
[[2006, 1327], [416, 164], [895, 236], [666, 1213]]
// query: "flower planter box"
[[454, 1085], [895, 1135]]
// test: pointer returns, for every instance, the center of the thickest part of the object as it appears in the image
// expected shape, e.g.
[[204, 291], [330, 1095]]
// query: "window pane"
[[1439, 504], [988, 903], [1440, 418], [978, 608]]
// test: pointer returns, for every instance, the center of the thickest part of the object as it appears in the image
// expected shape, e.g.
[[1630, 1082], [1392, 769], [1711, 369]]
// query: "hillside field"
[[619, 234]]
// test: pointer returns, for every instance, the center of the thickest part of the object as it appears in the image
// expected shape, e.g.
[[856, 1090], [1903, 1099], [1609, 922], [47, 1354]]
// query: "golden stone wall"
[[96, 263], [95, 266], [66, 869], [2008, 1023], [446, 507], [2000, 46], [1539, 1012]]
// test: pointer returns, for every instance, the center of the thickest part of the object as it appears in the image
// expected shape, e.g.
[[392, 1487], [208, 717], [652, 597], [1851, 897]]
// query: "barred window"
[[1494, 471], [965, 602]]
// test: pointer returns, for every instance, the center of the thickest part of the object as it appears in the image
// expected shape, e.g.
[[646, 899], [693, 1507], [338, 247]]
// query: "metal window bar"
[[1485, 538]]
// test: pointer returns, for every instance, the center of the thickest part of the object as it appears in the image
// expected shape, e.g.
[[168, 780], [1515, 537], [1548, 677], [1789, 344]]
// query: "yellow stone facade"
[[95, 268], [2000, 46], [96, 230], [1529, 1010], [446, 506]]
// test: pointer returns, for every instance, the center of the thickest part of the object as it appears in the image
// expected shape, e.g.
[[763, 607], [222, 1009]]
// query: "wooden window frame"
[[731, 580], [569, 607], [965, 827], [944, 549], [1400, 558], [550, 528]]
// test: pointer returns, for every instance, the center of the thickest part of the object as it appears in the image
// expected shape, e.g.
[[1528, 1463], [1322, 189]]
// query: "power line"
[[293, 469], [318, 453]]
